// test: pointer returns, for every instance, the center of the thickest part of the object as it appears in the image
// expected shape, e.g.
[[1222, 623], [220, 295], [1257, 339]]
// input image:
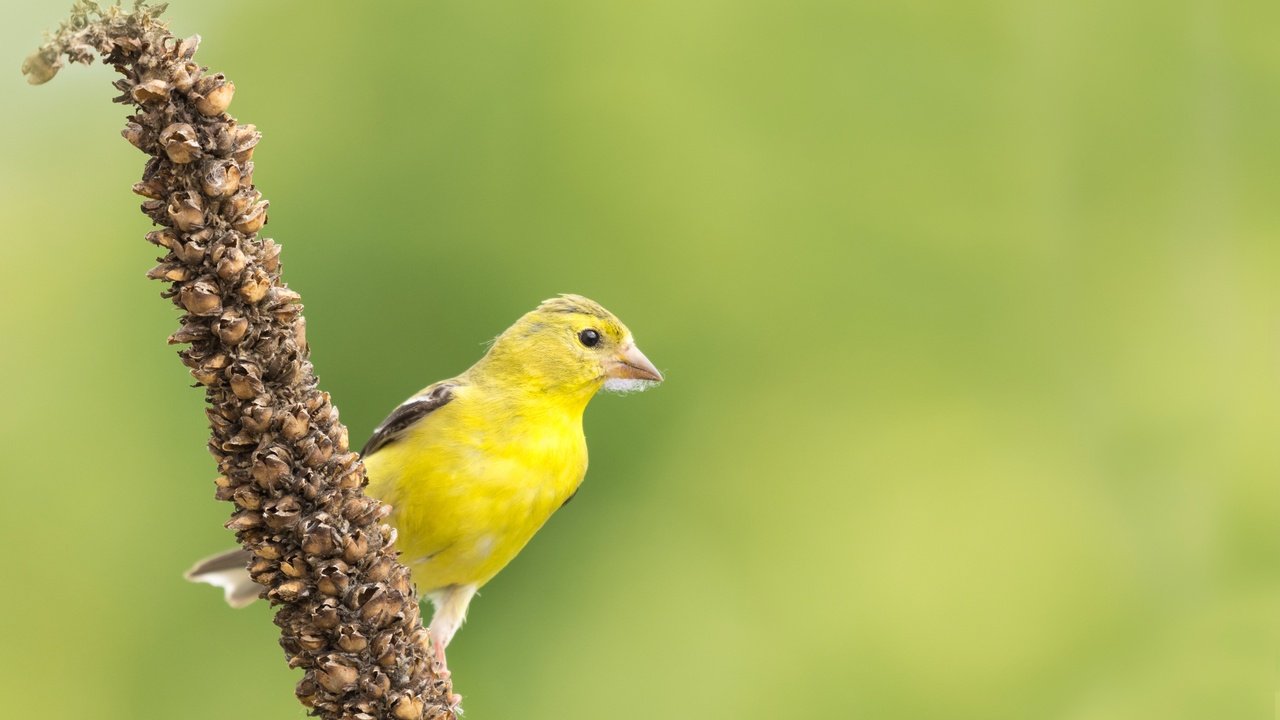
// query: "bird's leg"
[[450, 611]]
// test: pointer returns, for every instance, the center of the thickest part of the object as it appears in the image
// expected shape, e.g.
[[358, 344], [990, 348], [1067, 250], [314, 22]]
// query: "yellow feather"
[[472, 482]]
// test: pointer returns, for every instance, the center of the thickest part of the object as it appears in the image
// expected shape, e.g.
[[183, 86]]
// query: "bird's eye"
[[589, 337]]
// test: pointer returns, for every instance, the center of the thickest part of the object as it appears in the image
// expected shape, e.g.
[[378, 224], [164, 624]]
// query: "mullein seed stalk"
[[346, 608]]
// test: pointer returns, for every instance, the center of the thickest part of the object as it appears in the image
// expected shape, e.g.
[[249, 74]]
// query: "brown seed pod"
[[255, 287], [150, 92], [201, 298], [240, 202], [243, 140], [173, 272], [186, 49], [257, 418], [253, 220], [186, 210], [318, 540], [164, 238], [179, 143], [231, 263], [185, 75], [244, 520], [136, 135], [326, 615], [220, 178], [295, 424], [153, 189], [248, 497], [332, 579], [355, 547], [407, 707], [288, 591], [215, 100], [231, 327], [268, 470], [189, 332], [282, 513], [336, 677]]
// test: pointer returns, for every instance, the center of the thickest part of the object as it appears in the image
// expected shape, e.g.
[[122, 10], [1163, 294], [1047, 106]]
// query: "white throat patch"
[[622, 386]]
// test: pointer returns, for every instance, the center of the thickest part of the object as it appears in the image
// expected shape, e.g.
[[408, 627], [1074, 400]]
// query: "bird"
[[473, 466]]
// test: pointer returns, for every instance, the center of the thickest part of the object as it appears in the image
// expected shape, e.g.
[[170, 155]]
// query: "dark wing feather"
[[408, 414]]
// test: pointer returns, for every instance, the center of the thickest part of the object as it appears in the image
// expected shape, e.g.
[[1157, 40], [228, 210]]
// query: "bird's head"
[[573, 346]]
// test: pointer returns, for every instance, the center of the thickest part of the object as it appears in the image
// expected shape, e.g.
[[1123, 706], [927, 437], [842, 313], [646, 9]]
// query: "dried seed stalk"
[[347, 611]]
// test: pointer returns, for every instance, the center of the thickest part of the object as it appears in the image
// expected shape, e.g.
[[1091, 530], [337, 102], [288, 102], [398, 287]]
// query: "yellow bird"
[[473, 466]]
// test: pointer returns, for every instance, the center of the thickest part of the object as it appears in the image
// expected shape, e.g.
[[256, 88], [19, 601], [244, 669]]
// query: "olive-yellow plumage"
[[473, 466]]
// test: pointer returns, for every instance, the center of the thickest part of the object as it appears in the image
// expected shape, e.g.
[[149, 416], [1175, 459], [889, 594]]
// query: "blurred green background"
[[968, 311]]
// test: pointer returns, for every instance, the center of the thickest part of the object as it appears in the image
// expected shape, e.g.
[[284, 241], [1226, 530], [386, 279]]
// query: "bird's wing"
[[408, 414]]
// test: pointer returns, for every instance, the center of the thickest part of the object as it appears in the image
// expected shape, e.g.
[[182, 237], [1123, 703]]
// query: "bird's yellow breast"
[[472, 482]]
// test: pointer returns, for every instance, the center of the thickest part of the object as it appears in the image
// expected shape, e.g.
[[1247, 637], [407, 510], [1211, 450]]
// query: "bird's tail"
[[229, 571]]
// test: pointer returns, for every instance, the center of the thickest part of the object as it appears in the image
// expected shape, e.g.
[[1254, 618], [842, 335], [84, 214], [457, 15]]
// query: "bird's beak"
[[631, 364]]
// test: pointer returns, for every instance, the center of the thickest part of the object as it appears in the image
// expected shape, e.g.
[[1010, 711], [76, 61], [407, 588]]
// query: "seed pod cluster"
[[347, 611]]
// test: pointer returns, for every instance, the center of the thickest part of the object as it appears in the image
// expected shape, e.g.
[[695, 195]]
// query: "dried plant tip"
[[347, 610], [40, 69], [180, 144], [186, 210], [216, 100], [150, 92], [201, 298]]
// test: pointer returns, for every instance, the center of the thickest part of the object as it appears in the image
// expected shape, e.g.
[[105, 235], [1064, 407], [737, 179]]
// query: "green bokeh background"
[[968, 311]]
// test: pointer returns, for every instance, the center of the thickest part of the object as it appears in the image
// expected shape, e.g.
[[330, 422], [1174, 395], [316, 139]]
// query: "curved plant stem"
[[347, 611]]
